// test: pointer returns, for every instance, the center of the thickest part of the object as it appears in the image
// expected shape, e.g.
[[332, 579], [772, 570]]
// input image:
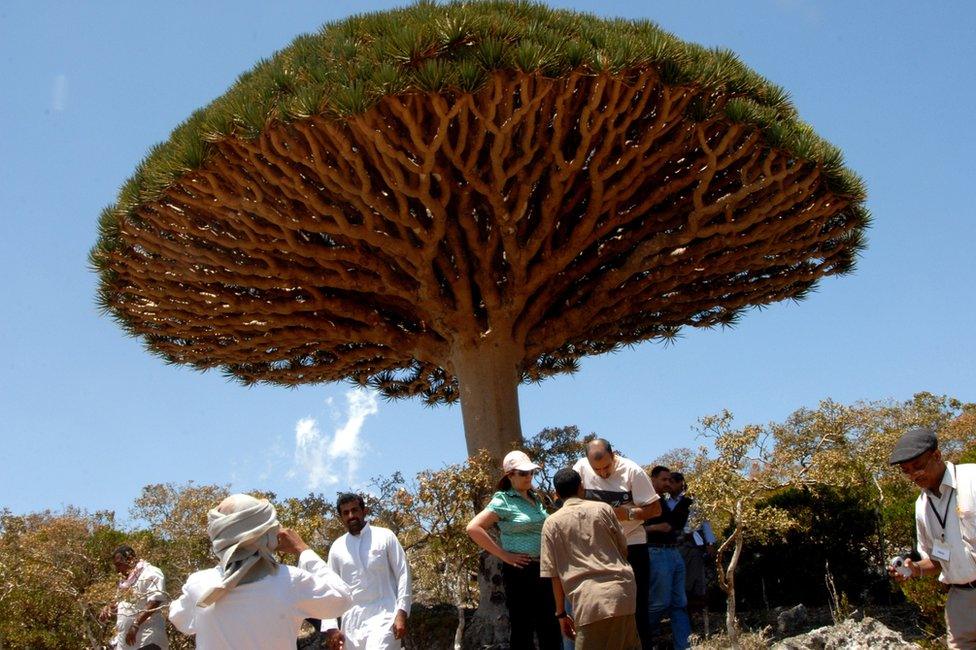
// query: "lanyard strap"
[[945, 515]]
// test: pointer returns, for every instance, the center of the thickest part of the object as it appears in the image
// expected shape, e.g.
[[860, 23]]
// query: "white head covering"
[[244, 533]]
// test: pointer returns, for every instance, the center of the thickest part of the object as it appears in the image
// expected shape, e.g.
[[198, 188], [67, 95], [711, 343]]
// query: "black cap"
[[913, 444]]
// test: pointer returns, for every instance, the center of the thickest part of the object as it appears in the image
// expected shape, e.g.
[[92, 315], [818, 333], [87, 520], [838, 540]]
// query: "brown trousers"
[[960, 614], [617, 633]]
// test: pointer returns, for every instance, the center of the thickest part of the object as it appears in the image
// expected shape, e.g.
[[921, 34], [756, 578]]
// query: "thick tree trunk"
[[488, 376], [488, 628]]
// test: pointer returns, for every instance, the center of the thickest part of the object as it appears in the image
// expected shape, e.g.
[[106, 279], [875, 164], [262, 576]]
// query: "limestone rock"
[[866, 634], [792, 620]]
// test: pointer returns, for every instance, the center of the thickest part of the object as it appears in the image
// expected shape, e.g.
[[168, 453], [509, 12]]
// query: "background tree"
[[744, 485], [856, 453], [446, 200], [554, 448], [55, 575], [732, 486], [314, 518], [681, 459], [857, 439], [433, 512], [174, 533], [835, 528]]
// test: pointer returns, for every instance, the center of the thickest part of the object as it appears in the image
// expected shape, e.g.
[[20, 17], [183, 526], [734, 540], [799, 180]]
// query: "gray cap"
[[913, 444]]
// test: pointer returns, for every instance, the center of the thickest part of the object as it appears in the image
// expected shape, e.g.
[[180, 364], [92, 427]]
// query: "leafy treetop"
[[348, 66]]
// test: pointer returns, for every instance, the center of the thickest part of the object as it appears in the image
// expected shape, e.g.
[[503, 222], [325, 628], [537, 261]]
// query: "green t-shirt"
[[520, 522]]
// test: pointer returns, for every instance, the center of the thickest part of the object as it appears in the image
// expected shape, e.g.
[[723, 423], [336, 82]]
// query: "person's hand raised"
[[290, 542]]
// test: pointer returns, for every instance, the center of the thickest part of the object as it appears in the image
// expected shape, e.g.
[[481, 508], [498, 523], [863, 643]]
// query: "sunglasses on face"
[[917, 464], [524, 472]]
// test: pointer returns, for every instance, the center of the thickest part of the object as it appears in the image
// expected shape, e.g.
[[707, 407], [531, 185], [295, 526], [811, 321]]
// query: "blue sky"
[[88, 418]]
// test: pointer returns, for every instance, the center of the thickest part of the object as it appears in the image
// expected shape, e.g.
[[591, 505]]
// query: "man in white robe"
[[140, 624], [250, 601], [372, 562]]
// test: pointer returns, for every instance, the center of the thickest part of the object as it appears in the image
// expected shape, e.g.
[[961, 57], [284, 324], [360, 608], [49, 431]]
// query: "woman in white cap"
[[519, 515]]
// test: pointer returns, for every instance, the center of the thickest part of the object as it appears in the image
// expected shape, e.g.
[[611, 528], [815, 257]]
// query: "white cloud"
[[59, 93], [323, 459]]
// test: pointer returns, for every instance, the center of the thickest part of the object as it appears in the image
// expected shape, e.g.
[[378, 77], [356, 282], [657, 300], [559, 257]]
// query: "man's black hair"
[[567, 482], [658, 469], [348, 497], [607, 447], [678, 476], [126, 551]]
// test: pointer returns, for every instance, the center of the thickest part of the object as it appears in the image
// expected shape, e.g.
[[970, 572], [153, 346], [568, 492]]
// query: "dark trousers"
[[531, 608], [641, 564]]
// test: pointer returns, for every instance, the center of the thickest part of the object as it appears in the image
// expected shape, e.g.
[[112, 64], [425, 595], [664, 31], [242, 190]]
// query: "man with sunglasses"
[[945, 523]]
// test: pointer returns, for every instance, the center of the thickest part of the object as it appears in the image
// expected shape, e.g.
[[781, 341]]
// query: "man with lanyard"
[[372, 562], [945, 523], [623, 484]]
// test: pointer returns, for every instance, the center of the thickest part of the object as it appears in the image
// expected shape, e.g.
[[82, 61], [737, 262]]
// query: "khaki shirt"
[[584, 546]]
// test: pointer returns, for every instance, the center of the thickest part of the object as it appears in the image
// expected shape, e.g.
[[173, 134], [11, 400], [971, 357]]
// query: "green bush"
[[840, 527]]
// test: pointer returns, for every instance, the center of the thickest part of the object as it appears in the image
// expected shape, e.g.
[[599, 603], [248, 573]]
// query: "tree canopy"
[[445, 200]]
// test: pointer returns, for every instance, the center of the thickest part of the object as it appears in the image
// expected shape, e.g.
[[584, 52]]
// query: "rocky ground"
[[864, 634], [797, 628], [885, 628]]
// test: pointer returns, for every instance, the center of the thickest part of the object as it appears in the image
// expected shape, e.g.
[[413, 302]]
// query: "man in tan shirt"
[[584, 551]]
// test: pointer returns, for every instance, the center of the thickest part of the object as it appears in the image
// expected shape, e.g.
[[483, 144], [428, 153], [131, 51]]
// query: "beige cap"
[[518, 460]]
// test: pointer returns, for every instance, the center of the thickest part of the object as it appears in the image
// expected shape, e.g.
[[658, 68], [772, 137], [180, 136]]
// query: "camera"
[[898, 563]]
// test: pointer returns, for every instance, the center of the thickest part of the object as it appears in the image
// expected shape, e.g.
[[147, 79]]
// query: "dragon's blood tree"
[[448, 200]]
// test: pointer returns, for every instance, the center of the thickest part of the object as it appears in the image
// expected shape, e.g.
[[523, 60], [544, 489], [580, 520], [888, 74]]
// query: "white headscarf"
[[244, 537]]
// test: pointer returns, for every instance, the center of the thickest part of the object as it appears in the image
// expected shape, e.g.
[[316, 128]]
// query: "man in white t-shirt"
[[623, 484]]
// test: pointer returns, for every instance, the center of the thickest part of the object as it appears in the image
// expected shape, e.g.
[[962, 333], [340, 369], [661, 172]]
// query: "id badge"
[[940, 551]]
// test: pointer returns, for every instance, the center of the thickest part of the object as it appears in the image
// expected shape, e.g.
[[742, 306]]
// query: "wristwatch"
[[562, 615]]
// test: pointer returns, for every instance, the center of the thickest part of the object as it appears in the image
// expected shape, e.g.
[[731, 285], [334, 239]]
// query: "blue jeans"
[[667, 593]]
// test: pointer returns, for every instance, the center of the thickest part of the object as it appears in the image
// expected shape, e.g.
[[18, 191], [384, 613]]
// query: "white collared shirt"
[[149, 586], [374, 566], [957, 489]]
